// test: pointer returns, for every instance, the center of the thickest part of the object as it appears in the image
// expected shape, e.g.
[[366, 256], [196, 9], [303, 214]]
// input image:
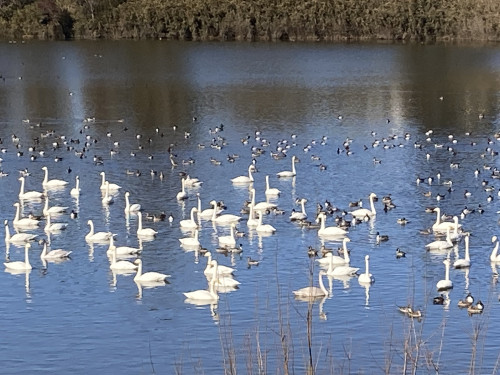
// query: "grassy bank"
[[309, 20]]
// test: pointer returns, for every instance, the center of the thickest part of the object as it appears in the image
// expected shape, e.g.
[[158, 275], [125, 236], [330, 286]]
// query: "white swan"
[[221, 269], [465, 262], [302, 215], [336, 260], [96, 236], [181, 195], [363, 212], [244, 179], [19, 265], [122, 251], [24, 222], [252, 221], [56, 254], [131, 207], [457, 231], [192, 181], [440, 244], [54, 227], [75, 192], [121, 265], [225, 219], [228, 241], [108, 198], [366, 277], [441, 227], [148, 276], [264, 228], [446, 283], [329, 231], [344, 270], [54, 210], [313, 291], [28, 195], [191, 242], [112, 187], [17, 238], [203, 294], [190, 223], [48, 184], [271, 191], [207, 213], [144, 232], [494, 256], [291, 173], [261, 206]]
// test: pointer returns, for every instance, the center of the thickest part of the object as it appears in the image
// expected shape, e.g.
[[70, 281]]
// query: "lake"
[[360, 118]]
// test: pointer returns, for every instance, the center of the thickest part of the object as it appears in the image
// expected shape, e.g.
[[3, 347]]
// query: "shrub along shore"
[[256, 20]]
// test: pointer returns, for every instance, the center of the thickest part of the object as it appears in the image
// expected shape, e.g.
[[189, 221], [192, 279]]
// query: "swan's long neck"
[[322, 221], [192, 214], [127, 202], [77, 186], [447, 271], [44, 251], [495, 251], [293, 166], [321, 285], [26, 257], [346, 253], [259, 214], [46, 176], [18, 213], [47, 224], [199, 203], [7, 233], [103, 179], [372, 206], [438, 216], [252, 200], [139, 269], [267, 182], [140, 222], [250, 173], [467, 256], [232, 229], [91, 233], [46, 204], [214, 213], [367, 265], [448, 236], [22, 186], [303, 203]]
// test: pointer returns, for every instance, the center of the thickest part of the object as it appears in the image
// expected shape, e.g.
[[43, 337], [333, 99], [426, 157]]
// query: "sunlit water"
[[77, 317]]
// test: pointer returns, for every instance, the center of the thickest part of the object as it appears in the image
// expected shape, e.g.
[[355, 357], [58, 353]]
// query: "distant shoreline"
[[302, 21]]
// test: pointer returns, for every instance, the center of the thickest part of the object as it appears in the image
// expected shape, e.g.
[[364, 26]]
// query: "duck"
[[400, 253], [17, 238], [446, 283], [329, 231], [29, 195], [330, 260], [409, 311], [48, 184], [465, 262], [466, 302], [25, 222], [494, 256], [366, 277], [129, 208], [190, 223], [264, 228], [292, 173], [363, 212], [381, 238], [75, 192], [252, 262], [144, 232], [96, 236], [273, 192], [302, 215], [112, 187], [478, 308], [313, 291], [244, 179], [54, 255], [148, 276], [20, 265]]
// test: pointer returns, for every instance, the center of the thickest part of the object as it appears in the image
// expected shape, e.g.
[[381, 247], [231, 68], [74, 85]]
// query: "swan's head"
[[44, 168], [494, 239], [367, 257], [6, 222], [21, 178], [127, 194], [213, 203], [90, 222], [137, 261], [347, 240], [16, 204], [373, 195], [208, 254], [27, 246], [437, 209], [446, 262]]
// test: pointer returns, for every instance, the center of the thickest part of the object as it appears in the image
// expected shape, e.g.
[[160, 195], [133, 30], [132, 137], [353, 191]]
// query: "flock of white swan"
[[448, 231]]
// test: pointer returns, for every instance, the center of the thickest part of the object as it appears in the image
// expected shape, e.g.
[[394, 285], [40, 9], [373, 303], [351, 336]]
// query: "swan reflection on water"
[[26, 274]]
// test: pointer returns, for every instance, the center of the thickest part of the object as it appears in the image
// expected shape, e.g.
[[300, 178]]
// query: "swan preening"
[[49, 184], [313, 291]]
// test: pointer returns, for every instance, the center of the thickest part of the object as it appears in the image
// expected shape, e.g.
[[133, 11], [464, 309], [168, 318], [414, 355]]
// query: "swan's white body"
[[465, 262], [48, 184], [261, 206], [75, 192], [221, 270], [446, 283], [329, 231], [225, 219], [440, 244], [291, 173], [191, 242], [28, 195], [112, 187], [302, 215], [192, 181], [264, 228], [363, 212], [108, 198], [148, 276], [190, 223], [144, 232], [19, 265], [135, 207], [54, 210], [54, 227], [203, 294], [122, 251], [24, 222], [345, 270], [441, 227], [228, 241], [366, 277], [181, 195], [56, 254], [244, 179], [313, 291], [207, 213], [335, 260], [121, 265], [457, 233], [272, 192], [96, 236], [494, 256], [252, 221], [17, 238]]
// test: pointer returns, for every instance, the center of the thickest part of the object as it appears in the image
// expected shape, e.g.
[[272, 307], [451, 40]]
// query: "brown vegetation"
[[259, 20]]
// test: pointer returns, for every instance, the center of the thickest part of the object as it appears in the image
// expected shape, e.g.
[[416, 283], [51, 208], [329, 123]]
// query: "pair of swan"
[[446, 283], [364, 212], [328, 231], [20, 265], [28, 195], [50, 184], [291, 173], [17, 238], [335, 260], [441, 227], [244, 179]]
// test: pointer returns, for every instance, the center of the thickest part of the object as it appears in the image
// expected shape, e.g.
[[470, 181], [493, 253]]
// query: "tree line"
[[255, 20]]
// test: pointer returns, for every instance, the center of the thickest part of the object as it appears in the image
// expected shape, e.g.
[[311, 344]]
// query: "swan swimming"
[[221, 269], [329, 231], [56, 254], [112, 187], [207, 213], [144, 232], [203, 294], [335, 260], [302, 215], [121, 265], [441, 227], [313, 291], [54, 210], [271, 191], [108, 198], [17, 238], [28, 195], [291, 173], [48, 184], [465, 262], [19, 265], [446, 283], [122, 251], [191, 242], [494, 256], [225, 219], [131, 207], [264, 228], [98, 236], [244, 179], [440, 244], [54, 227], [190, 223], [228, 241], [261, 206], [148, 276], [181, 195], [25, 222], [363, 212], [366, 277], [75, 192]]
